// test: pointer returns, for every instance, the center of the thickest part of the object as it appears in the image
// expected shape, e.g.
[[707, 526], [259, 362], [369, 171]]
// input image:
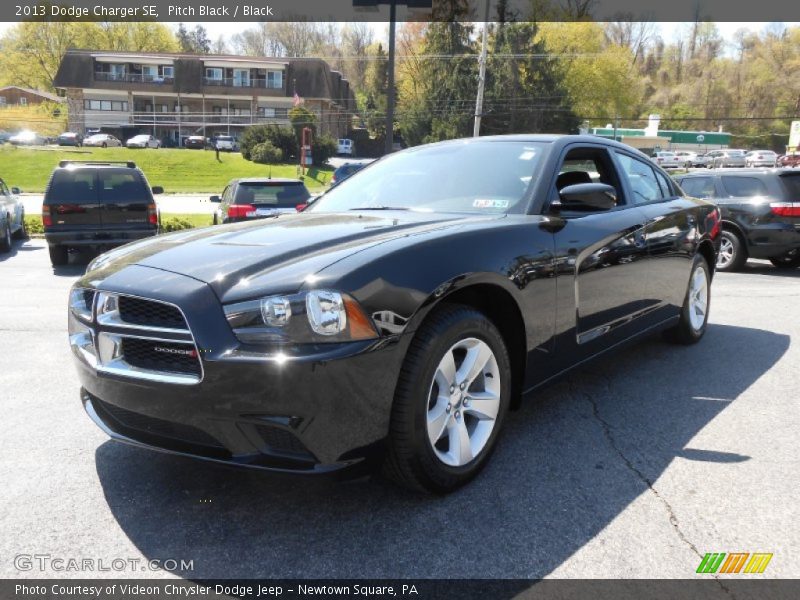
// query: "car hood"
[[275, 255]]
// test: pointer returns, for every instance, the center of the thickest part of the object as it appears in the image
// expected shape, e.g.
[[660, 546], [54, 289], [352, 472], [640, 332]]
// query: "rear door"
[[125, 198], [669, 230], [73, 199]]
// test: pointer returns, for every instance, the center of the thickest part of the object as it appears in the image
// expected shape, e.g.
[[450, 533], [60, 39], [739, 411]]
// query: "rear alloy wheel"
[[790, 260], [694, 313], [452, 396], [732, 253], [5, 240], [58, 255]]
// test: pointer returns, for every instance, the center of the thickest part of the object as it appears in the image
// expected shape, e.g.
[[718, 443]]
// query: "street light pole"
[[390, 92], [476, 131]]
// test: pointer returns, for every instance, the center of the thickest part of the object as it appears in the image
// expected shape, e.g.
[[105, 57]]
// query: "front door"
[[601, 260]]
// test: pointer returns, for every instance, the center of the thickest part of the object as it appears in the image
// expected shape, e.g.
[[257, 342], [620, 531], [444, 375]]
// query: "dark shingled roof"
[[45, 95], [309, 77]]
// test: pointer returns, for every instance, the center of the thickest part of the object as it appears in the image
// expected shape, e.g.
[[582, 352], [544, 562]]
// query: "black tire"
[[411, 460], [790, 260], [58, 255], [105, 145], [5, 236], [685, 332], [22, 232], [738, 252], [216, 219]]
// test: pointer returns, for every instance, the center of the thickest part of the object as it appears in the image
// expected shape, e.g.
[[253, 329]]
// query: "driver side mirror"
[[214, 199], [588, 197], [16, 191], [157, 189]]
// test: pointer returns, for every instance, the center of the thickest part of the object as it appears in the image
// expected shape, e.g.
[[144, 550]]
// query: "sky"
[[668, 30]]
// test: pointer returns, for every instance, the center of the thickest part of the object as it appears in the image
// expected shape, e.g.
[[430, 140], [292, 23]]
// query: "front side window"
[[698, 187], [469, 177], [641, 178]]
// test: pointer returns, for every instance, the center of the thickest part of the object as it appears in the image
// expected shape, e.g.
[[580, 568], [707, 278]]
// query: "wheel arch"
[[734, 227], [502, 309], [706, 250]]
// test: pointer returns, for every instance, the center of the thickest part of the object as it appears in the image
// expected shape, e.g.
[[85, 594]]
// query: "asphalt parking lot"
[[635, 466]]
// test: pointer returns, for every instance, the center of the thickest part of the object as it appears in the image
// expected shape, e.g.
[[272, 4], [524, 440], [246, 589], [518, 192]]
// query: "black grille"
[[152, 426], [281, 440], [161, 356], [138, 311]]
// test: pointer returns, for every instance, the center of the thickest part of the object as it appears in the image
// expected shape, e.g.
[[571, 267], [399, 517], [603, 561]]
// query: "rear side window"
[[122, 186], [699, 187], [666, 188], [72, 186], [743, 187], [275, 195], [791, 183]]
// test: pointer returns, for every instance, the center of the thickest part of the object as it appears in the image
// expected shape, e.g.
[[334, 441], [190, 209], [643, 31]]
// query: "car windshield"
[[140, 138], [735, 153], [275, 195], [225, 138], [473, 177]]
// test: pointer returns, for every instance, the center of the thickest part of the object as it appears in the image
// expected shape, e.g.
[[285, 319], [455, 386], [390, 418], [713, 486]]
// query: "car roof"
[[122, 165], [275, 180], [544, 138]]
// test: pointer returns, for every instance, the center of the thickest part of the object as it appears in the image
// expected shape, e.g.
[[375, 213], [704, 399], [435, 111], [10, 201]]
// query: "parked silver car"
[[761, 158], [101, 140], [666, 160], [691, 159], [726, 158]]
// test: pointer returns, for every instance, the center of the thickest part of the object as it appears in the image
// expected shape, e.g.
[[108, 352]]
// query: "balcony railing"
[[131, 77], [244, 83], [148, 118]]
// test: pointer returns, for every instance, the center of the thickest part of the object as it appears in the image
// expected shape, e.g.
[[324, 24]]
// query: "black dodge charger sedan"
[[400, 316]]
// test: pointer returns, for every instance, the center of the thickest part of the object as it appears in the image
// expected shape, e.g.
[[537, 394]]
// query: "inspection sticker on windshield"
[[482, 203], [528, 154]]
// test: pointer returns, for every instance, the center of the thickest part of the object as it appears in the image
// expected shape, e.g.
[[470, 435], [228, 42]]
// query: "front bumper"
[[317, 412]]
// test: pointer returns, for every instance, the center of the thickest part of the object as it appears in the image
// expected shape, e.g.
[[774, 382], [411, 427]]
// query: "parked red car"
[[789, 160]]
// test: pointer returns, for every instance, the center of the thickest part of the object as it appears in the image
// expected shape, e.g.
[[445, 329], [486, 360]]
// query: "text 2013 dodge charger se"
[[400, 315]]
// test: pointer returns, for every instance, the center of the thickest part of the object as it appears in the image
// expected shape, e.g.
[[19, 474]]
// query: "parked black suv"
[[760, 213], [103, 204]]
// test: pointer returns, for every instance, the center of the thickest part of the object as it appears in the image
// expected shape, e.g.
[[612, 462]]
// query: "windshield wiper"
[[381, 208]]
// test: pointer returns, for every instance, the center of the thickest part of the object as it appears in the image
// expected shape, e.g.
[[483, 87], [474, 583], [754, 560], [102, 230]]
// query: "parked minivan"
[[346, 147]]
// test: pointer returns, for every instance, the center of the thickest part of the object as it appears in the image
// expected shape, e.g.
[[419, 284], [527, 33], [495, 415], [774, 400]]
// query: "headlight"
[[80, 303], [309, 317]]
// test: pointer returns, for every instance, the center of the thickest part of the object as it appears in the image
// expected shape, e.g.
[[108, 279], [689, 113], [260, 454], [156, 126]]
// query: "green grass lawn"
[[176, 170]]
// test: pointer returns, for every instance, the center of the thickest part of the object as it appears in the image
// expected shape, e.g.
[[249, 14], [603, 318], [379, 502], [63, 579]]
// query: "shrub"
[[281, 138], [33, 224], [266, 153], [323, 148], [175, 224]]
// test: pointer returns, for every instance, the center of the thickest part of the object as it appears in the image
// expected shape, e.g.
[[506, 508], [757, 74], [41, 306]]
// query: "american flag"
[[297, 99]]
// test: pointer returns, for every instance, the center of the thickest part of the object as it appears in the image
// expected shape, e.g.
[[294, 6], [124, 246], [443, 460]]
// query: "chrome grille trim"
[[98, 344]]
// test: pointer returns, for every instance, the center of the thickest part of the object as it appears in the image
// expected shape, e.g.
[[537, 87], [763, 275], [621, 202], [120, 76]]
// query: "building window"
[[2, 100], [269, 113], [105, 105], [118, 72], [167, 72], [275, 80], [241, 77], [23, 101], [214, 74]]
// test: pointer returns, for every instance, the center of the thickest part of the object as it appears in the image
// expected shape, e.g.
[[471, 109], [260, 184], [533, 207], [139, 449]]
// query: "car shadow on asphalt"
[[568, 463], [18, 246], [764, 268], [76, 263]]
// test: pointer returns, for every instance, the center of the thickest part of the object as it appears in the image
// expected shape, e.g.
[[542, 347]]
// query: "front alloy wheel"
[[452, 395], [463, 402]]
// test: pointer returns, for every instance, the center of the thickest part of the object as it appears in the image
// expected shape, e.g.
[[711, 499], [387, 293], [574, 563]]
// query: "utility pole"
[[476, 131], [390, 92]]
